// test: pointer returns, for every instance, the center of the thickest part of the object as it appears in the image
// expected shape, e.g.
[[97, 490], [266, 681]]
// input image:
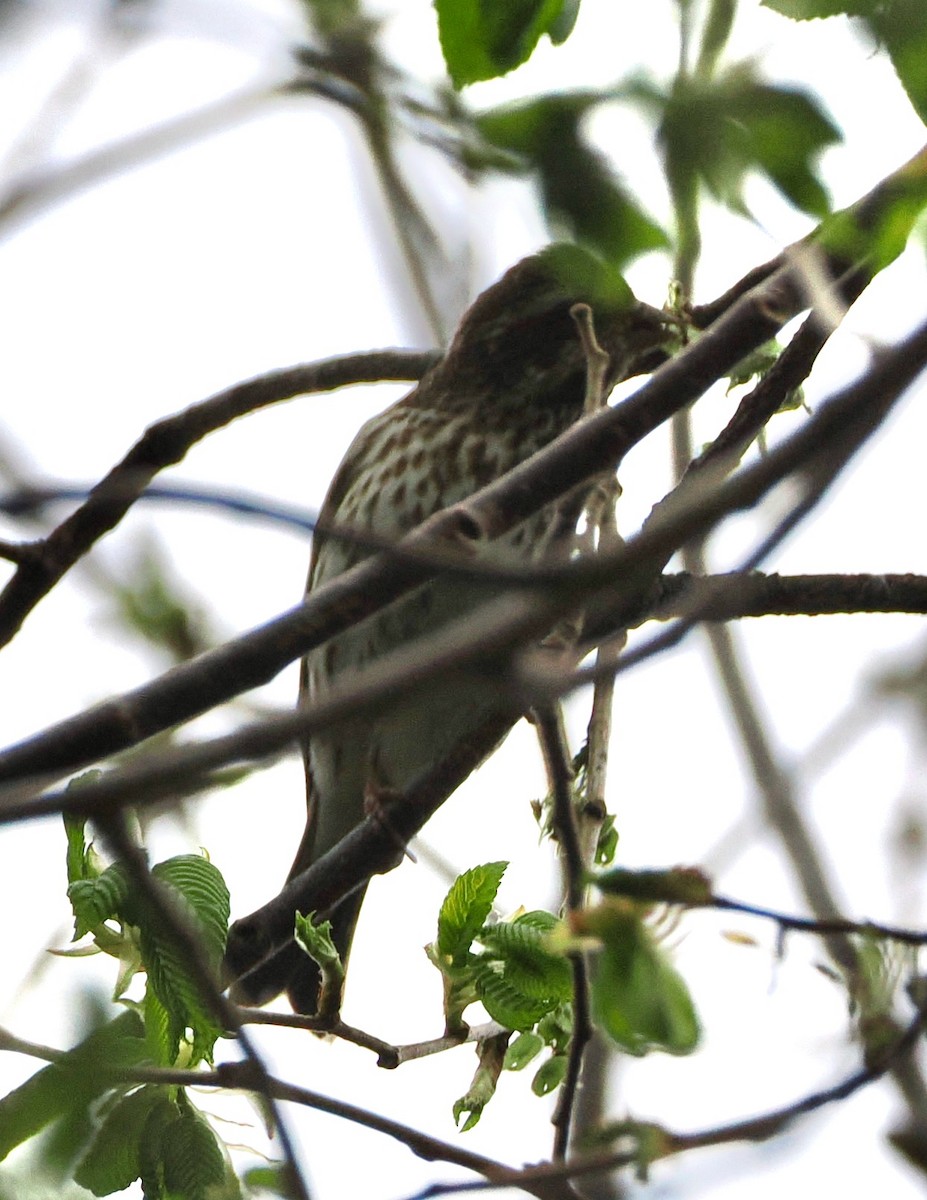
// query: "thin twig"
[[388, 1055], [189, 943], [666, 1143], [549, 722], [166, 443]]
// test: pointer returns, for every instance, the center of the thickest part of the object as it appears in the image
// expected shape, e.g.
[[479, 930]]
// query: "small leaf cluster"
[[511, 972], [520, 971], [509, 968], [120, 921], [155, 1135], [105, 1130]]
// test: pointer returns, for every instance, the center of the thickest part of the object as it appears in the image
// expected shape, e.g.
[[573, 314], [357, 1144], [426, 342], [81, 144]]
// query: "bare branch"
[[166, 443], [587, 449]]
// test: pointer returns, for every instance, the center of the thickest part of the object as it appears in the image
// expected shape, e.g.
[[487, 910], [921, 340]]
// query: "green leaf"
[[77, 847], [201, 891], [583, 198], [876, 229], [526, 965], [482, 39], [465, 909], [901, 26], [562, 26], [269, 1178], [505, 1003], [152, 606], [202, 887], [638, 998], [483, 1088], [524, 1049], [549, 1075], [98, 899], [159, 1029], [159, 1121], [113, 1161], [316, 940], [719, 130], [68, 1085], [607, 845], [715, 34], [556, 1028], [193, 1162], [82, 862], [583, 274]]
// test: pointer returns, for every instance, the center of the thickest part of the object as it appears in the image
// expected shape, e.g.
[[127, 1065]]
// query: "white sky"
[[263, 246]]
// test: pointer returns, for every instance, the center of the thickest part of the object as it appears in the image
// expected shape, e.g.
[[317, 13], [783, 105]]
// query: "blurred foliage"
[[152, 604], [483, 41], [717, 131], [897, 26], [582, 196]]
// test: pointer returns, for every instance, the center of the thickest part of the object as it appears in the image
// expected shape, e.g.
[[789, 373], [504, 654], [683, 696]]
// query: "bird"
[[512, 380]]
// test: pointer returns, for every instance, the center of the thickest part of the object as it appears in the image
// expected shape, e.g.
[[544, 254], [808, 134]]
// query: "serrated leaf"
[[526, 965], [316, 940], [113, 1161], [79, 859], [203, 888], [505, 1003], [176, 991], [201, 891], [159, 1121], [159, 1029], [71, 1083], [483, 41], [192, 1160], [465, 909], [98, 899], [901, 27]]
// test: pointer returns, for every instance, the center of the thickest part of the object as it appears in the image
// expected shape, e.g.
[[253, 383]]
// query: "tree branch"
[[166, 443], [590, 447]]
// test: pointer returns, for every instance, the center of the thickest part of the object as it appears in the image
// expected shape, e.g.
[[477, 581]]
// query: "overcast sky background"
[[266, 244]]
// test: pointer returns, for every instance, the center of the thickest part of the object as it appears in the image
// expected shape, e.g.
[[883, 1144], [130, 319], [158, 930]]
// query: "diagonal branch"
[[166, 443], [589, 448]]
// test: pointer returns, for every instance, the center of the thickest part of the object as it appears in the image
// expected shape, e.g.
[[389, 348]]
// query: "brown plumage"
[[511, 381]]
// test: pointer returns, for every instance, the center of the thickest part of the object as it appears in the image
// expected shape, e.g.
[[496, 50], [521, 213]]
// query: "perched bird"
[[512, 379]]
